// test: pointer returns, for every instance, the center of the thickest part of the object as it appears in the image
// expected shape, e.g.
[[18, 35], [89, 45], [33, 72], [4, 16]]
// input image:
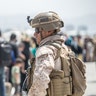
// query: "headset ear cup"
[[62, 24]]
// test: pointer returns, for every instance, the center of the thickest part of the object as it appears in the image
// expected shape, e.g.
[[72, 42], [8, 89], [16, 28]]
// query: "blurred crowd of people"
[[83, 47], [15, 74], [25, 49]]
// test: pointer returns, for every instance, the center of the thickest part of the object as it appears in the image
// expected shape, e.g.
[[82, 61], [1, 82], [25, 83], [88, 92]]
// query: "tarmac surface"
[[91, 79]]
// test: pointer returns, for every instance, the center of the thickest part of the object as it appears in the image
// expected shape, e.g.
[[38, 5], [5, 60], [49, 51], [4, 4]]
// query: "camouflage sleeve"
[[44, 66]]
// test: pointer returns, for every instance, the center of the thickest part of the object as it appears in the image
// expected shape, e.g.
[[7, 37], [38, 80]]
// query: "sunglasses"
[[37, 30]]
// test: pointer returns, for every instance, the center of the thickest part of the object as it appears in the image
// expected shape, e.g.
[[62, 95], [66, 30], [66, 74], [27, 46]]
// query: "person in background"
[[16, 79], [26, 41], [80, 47], [34, 46], [2, 86], [13, 40], [93, 41], [21, 48]]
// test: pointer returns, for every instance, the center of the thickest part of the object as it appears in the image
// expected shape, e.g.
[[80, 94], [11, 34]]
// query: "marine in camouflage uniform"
[[46, 25]]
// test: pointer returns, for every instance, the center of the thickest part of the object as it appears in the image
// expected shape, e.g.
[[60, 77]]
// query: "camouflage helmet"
[[47, 21]]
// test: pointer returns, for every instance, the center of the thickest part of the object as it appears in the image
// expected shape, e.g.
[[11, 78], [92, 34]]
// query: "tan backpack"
[[70, 80]]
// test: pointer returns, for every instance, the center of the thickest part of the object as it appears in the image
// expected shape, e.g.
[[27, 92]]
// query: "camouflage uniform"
[[46, 54], [45, 63]]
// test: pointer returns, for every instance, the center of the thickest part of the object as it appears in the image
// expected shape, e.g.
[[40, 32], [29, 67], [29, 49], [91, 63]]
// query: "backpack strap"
[[57, 46], [60, 49]]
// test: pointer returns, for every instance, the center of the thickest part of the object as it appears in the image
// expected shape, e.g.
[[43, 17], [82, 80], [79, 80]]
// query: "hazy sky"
[[66, 8]]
